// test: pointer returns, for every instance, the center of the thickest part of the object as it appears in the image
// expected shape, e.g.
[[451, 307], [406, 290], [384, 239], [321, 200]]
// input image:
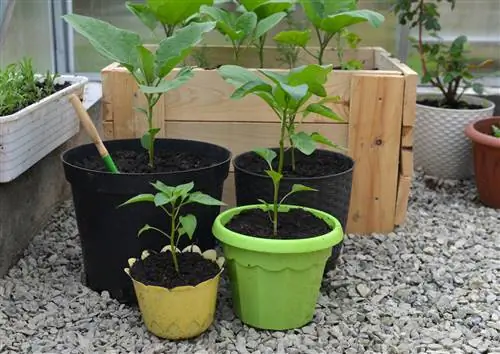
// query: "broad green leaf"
[[333, 7], [293, 37], [275, 176], [304, 143], [168, 85], [162, 199], [146, 140], [266, 8], [335, 23], [237, 75], [323, 111], [267, 154], [183, 189], [246, 24], [301, 188], [314, 10], [113, 43], [175, 12], [224, 21], [173, 50], [144, 14], [268, 23], [188, 223], [147, 63], [251, 87], [162, 187], [140, 198], [314, 76], [318, 138], [273, 76], [295, 92], [205, 199], [144, 228]]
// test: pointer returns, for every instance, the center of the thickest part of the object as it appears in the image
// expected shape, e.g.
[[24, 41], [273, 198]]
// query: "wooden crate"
[[378, 105]]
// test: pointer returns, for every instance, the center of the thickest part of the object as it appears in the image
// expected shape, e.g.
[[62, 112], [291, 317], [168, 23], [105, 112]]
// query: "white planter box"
[[30, 134]]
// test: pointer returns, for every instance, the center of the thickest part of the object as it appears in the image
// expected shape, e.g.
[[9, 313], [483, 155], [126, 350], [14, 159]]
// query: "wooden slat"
[[108, 129], [242, 137], [406, 163], [404, 187], [407, 137], [374, 143]]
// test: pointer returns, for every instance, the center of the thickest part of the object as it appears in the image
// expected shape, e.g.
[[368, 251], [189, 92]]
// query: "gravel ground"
[[431, 286]]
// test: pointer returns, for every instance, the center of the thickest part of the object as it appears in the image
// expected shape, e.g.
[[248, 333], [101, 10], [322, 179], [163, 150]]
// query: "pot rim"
[[491, 104], [318, 178], [277, 246], [64, 154], [481, 138]]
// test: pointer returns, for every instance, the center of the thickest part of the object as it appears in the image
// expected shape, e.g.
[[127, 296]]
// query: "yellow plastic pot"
[[182, 312]]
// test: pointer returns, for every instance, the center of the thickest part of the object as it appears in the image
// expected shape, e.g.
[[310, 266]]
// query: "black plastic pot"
[[333, 196], [109, 234]]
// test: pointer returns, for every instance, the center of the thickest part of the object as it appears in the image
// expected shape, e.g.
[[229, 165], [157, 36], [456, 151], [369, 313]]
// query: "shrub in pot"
[[440, 147], [276, 253], [485, 137], [176, 291], [288, 95], [107, 233]]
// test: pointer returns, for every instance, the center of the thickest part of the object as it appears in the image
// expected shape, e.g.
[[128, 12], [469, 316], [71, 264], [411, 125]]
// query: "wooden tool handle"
[[88, 125]]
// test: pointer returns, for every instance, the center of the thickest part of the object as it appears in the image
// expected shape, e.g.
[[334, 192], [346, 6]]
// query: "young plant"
[[445, 67], [170, 14], [171, 200], [289, 53], [496, 131], [288, 96], [249, 24], [148, 69], [329, 19]]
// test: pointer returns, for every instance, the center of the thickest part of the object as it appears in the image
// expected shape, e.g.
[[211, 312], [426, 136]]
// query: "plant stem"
[[172, 241], [280, 171], [262, 41], [340, 50], [151, 150]]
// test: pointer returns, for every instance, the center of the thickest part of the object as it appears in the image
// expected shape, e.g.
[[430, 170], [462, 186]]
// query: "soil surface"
[[158, 269], [293, 225], [318, 164], [129, 161], [440, 104]]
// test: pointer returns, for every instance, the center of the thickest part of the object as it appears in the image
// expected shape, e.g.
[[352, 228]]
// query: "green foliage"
[[171, 200], [331, 19], [495, 131], [20, 86], [148, 69], [288, 95], [444, 66]]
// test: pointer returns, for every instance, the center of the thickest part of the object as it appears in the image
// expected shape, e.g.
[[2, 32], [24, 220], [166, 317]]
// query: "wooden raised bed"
[[378, 105]]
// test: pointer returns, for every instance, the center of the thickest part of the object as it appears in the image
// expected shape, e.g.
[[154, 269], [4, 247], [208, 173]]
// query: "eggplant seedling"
[[496, 131], [171, 200]]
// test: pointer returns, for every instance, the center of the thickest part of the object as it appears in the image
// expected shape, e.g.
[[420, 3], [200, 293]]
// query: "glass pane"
[[24, 38], [114, 12]]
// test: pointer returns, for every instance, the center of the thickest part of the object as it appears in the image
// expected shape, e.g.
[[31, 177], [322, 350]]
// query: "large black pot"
[[109, 234], [333, 196]]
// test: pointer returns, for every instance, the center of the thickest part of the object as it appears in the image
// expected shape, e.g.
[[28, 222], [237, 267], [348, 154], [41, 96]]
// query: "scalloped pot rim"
[[210, 255], [266, 245], [469, 98]]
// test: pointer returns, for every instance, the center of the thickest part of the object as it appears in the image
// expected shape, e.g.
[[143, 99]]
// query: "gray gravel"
[[431, 286]]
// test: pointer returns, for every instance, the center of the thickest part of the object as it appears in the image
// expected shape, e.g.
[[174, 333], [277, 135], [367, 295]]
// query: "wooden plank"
[[374, 143], [406, 163], [206, 97], [407, 137], [229, 192], [404, 187], [108, 130], [242, 137]]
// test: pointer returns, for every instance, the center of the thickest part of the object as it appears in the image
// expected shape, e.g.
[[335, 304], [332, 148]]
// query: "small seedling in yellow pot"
[[176, 290]]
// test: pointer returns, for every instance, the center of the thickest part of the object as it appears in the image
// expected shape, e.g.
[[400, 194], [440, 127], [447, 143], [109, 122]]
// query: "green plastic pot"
[[275, 283]]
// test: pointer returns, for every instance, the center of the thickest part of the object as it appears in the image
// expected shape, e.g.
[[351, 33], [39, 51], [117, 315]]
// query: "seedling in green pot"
[[329, 19], [171, 200], [148, 69], [288, 96], [496, 131]]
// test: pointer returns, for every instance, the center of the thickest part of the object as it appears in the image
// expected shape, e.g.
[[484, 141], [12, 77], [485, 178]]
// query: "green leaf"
[[111, 42], [313, 75], [294, 37], [333, 7], [183, 189], [145, 228], [314, 10], [267, 154], [175, 12], [147, 63], [275, 176], [237, 75], [304, 143], [162, 199], [273, 76], [478, 88], [246, 25], [301, 188], [168, 190], [318, 138], [188, 223], [335, 23], [322, 110], [173, 50], [251, 87], [168, 85], [146, 140], [295, 92], [266, 8], [268, 24], [224, 21], [140, 198], [205, 199], [144, 14], [496, 131]]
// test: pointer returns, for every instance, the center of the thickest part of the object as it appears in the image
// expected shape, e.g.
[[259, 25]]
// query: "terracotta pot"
[[486, 152]]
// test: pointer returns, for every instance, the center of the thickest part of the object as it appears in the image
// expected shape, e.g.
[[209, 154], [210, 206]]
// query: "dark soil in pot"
[[327, 171], [292, 225], [108, 233], [440, 104], [158, 269]]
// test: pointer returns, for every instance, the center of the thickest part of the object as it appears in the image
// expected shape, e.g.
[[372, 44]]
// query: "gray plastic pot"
[[440, 147]]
